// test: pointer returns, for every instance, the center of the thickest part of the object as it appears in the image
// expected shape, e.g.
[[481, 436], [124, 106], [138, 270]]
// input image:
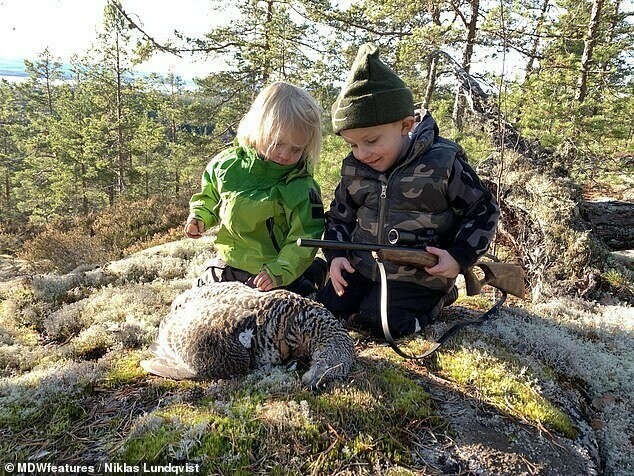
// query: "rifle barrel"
[[341, 245], [398, 254]]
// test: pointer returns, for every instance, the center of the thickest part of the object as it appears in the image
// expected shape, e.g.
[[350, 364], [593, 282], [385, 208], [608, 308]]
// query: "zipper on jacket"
[[382, 206], [269, 226]]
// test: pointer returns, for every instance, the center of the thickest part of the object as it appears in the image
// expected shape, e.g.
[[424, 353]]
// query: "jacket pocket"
[[270, 224]]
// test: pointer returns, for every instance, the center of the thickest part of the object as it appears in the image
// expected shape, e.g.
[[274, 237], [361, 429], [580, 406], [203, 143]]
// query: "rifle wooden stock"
[[505, 276]]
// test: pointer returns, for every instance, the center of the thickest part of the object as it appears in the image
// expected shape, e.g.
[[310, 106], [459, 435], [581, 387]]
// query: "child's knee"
[[400, 323]]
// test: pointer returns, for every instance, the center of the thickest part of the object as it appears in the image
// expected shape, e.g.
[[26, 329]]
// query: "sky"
[[67, 27]]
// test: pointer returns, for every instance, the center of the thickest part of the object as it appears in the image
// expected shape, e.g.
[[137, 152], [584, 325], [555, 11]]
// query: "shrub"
[[9, 243], [130, 223], [64, 250], [168, 236]]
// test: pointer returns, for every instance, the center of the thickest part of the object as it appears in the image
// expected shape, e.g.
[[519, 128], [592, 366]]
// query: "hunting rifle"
[[508, 278]]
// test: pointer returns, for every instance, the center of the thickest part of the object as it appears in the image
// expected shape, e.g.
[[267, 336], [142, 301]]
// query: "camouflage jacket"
[[431, 190]]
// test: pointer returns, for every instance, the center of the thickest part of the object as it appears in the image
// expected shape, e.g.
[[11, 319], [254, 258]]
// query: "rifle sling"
[[451, 331]]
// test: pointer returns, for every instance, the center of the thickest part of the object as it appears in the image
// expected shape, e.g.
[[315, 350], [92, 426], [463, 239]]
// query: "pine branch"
[[167, 47]]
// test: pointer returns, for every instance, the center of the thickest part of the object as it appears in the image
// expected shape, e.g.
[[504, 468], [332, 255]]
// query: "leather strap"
[[451, 331]]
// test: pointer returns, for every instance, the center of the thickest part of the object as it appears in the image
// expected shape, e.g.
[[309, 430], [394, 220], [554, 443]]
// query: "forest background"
[[97, 165], [74, 143]]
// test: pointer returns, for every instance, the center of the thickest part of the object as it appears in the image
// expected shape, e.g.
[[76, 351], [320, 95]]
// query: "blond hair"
[[282, 109]]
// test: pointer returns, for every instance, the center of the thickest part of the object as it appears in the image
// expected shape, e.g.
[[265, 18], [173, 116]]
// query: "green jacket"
[[262, 209]]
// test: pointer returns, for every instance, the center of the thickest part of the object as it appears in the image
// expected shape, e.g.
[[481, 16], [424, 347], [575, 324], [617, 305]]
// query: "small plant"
[[620, 281]]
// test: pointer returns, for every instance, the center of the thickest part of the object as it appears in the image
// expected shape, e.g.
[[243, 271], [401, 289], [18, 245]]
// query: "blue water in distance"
[[12, 69]]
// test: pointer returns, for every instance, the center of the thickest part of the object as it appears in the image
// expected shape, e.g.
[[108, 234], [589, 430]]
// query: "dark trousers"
[[307, 284], [408, 303]]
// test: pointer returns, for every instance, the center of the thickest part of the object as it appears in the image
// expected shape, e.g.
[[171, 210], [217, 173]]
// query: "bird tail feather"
[[169, 369]]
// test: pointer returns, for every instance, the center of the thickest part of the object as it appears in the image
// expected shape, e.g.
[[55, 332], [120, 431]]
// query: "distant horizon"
[[14, 69], [71, 27]]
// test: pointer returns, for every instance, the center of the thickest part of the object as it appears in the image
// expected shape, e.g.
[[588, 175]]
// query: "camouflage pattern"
[[431, 189]]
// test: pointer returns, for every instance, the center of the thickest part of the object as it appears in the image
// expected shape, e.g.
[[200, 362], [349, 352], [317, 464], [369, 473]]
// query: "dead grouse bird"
[[222, 330]]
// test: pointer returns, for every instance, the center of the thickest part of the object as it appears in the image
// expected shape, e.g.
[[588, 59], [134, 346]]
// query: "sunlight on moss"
[[499, 383], [480, 302], [124, 370], [362, 424], [222, 435]]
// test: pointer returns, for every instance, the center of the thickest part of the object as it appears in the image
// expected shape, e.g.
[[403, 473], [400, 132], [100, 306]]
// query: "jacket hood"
[[422, 136]]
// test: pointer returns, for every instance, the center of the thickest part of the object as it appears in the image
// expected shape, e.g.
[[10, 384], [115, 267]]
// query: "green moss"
[[369, 419], [150, 447], [53, 419], [499, 383], [407, 398], [360, 424], [223, 435], [125, 370]]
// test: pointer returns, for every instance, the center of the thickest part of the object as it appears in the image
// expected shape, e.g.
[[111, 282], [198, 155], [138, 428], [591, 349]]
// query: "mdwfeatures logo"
[[49, 468]]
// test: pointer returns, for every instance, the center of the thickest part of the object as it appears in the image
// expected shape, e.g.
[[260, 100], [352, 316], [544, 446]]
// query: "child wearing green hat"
[[400, 174]]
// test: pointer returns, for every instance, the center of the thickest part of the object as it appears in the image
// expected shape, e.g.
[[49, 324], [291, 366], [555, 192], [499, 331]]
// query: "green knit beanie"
[[373, 94]]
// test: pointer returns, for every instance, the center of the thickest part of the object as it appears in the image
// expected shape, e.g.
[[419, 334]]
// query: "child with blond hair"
[[262, 194]]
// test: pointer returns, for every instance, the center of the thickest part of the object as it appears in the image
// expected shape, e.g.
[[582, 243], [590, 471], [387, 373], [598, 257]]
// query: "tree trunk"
[[120, 153], [535, 46], [7, 183], [147, 175], [588, 46], [432, 72], [612, 221], [84, 189], [49, 93], [431, 81], [7, 188], [471, 25], [266, 67]]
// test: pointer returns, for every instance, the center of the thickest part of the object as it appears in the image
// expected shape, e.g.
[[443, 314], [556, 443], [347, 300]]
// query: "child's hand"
[[194, 228], [446, 267], [263, 281], [337, 266]]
